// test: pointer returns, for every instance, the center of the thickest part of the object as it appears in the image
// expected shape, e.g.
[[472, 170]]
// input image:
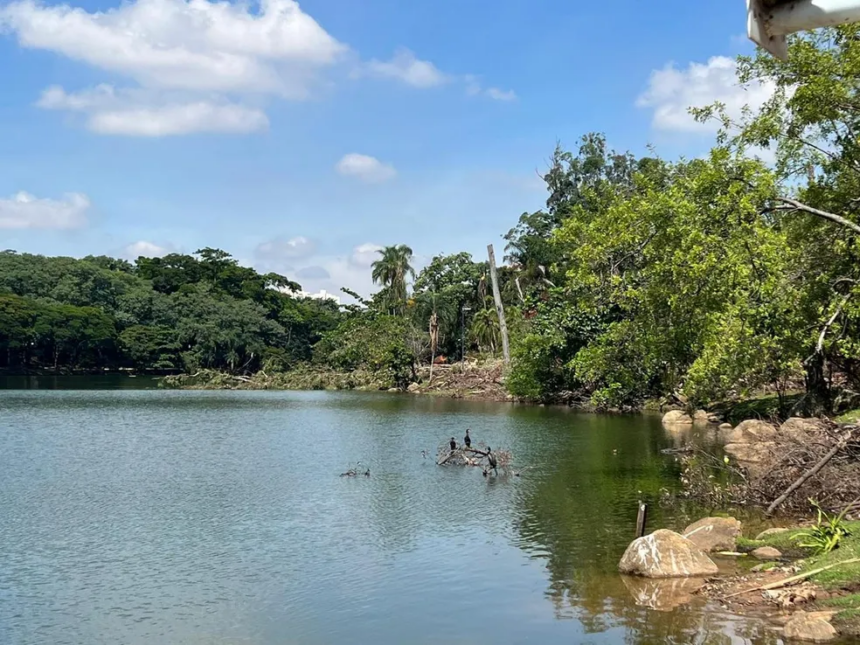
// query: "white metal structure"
[[769, 21]]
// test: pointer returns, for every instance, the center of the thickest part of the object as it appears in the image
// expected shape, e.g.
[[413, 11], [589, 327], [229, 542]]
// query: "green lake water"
[[145, 516]]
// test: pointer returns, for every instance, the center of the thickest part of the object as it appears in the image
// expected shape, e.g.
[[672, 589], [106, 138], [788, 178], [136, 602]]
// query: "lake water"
[[145, 516]]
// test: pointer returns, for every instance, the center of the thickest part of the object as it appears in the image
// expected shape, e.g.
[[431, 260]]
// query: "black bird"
[[467, 439], [491, 459], [367, 473], [453, 444]]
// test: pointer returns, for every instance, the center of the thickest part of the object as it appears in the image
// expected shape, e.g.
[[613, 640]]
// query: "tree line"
[[709, 278], [179, 312]]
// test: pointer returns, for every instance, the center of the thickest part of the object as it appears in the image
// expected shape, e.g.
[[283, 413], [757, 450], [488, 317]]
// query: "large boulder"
[[714, 533], [812, 628], [700, 416], [666, 554], [802, 430], [662, 594], [752, 431], [677, 418], [754, 457]]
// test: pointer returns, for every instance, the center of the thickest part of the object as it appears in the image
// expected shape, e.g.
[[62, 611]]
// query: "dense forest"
[[712, 277]]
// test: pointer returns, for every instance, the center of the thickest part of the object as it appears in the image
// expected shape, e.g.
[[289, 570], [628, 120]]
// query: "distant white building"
[[320, 295]]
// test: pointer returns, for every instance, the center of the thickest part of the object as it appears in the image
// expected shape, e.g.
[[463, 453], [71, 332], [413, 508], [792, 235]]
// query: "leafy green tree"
[[151, 347], [373, 342], [17, 328], [811, 124]]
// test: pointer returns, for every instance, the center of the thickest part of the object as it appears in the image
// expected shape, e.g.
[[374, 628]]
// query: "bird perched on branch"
[[491, 459], [453, 444], [467, 439]]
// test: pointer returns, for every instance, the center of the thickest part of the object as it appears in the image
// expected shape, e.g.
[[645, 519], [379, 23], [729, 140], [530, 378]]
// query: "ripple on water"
[[202, 517]]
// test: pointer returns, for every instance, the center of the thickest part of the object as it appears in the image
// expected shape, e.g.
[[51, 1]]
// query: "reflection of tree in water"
[[578, 514]]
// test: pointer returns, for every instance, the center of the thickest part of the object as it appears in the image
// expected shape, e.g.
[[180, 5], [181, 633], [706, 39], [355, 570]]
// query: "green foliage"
[[150, 347], [165, 314], [827, 534], [392, 270], [372, 342]]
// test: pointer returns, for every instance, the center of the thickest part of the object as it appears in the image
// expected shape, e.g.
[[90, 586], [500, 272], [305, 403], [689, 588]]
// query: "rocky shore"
[[812, 599]]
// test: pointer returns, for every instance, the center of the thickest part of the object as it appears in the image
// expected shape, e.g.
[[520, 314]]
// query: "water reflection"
[[188, 517]]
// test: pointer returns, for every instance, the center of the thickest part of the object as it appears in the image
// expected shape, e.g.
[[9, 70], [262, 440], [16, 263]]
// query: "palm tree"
[[391, 271], [485, 329]]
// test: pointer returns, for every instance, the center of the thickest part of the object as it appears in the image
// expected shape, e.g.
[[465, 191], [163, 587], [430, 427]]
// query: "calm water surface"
[[144, 516]]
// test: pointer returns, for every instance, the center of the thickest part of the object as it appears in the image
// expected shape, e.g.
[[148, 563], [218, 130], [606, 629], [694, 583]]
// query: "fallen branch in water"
[[787, 581]]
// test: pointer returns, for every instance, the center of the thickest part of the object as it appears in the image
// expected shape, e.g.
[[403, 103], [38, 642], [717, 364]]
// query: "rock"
[[414, 388], [809, 627], [802, 430], [714, 533], [752, 431], [700, 416], [662, 594], [665, 554], [766, 553], [752, 456], [677, 418], [768, 532], [715, 419]]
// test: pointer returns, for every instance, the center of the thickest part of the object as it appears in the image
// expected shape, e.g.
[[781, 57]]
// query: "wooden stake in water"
[[641, 517]]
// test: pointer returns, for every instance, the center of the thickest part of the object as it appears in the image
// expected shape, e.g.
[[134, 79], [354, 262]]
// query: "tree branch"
[[819, 347], [838, 219]]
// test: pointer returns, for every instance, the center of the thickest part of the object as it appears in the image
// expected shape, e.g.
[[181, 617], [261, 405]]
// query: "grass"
[[842, 577], [852, 416], [784, 542], [761, 407], [850, 602]]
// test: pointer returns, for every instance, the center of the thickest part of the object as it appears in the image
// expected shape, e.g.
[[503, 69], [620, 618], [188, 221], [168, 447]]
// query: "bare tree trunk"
[[500, 310], [819, 398], [434, 339]]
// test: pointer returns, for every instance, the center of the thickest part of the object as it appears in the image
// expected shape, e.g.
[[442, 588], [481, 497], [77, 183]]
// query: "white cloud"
[[364, 255], [500, 95], [186, 56], [408, 69], [135, 113], [146, 249], [474, 88], [672, 91], [365, 168], [184, 44], [279, 249], [24, 211], [195, 65]]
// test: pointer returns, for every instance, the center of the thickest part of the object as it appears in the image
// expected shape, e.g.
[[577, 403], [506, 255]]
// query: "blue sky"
[[300, 137]]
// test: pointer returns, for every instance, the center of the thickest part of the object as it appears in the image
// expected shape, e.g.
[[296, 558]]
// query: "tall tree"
[[392, 270]]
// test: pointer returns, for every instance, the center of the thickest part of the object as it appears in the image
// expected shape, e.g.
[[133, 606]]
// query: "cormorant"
[[467, 439], [367, 473], [491, 459], [453, 444]]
